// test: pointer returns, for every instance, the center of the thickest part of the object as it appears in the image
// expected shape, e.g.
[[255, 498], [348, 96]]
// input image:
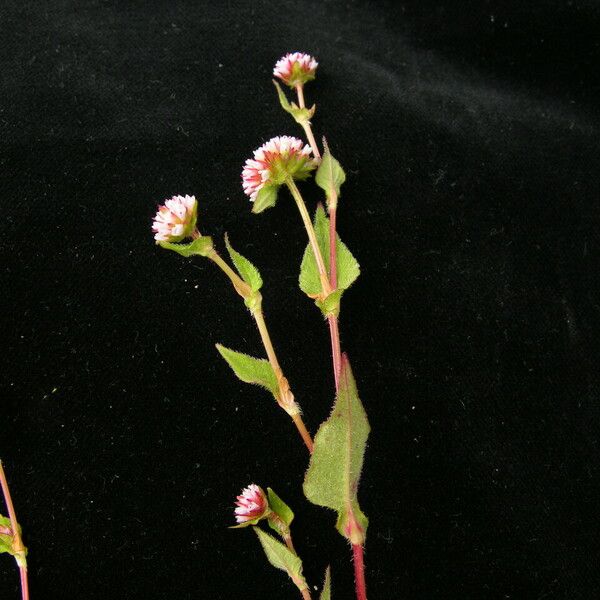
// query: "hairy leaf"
[[250, 369], [282, 558], [248, 272], [330, 177], [348, 268], [336, 462], [277, 505]]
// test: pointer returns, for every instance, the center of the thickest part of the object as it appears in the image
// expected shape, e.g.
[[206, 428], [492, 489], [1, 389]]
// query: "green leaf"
[[266, 197], [336, 462], [348, 268], [331, 304], [301, 115], [201, 246], [278, 506], [248, 272], [330, 177], [282, 558], [5, 540], [326, 593], [250, 369]]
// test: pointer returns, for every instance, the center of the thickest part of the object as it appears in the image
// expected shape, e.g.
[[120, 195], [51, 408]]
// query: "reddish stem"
[[336, 353], [359, 572], [17, 542], [332, 248]]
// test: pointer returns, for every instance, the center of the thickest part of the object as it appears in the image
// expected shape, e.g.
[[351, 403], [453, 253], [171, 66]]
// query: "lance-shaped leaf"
[[266, 197], [301, 115], [330, 177], [201, 246], [250, 369], [336, 462], [248, 272], [326, 593], [348, 268], [282, 558]]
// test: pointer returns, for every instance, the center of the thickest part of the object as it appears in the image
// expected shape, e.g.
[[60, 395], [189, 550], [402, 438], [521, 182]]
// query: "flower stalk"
[[286, 397]]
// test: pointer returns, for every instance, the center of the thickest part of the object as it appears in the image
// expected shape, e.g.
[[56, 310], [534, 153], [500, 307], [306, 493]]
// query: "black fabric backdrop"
[[469, 134]]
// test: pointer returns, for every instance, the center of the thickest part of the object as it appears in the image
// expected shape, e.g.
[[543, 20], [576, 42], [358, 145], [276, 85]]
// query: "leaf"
[[248, 272], [326, 593], [266, 197], [250, 369], [331, 304], [5, 539], [301, 115], [348, 268], [277, 505], [201, 246], [282, 558], [336, 462], [330, 177]]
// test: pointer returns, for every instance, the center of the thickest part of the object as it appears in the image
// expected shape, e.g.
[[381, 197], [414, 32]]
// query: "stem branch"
[[306, 124]]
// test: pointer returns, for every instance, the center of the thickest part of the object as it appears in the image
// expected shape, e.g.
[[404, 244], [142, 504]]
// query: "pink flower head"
[[251, 505], [296, 68], [276, 160], [175, 219]]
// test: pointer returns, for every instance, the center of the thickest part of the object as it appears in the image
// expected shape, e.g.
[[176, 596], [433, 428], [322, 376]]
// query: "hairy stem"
[[359, 572], [312, 237], [306, 594], [306, 125], [18, 546]]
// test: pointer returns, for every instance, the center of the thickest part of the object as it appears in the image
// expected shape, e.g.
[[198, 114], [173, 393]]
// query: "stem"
[[18, 546], [336, 351], [305, 594], [311, 236], [359, 572], [333, 247], [287, 398], [306, 125], [241, 287]]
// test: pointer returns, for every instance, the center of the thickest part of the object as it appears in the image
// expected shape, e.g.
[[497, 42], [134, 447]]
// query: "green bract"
[[301, 115], [201, 246], [326, 593]]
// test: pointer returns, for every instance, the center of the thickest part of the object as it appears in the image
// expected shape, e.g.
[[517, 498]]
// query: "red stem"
[[24, 583], [336, 353], [332, 248], [359, 572]]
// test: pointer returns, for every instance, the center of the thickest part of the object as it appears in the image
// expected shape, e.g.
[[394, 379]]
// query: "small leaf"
[[266, 198], [250, 369], [248, 272], [326, 593], [301, 115], [348, 268], [201, 246], [336, 462], [330, 177], [5, 538], [331, 304], [282, 558], [278, 506]]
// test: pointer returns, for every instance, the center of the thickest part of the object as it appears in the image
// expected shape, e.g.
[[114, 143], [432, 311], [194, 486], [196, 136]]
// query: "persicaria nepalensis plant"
[[327, 270]]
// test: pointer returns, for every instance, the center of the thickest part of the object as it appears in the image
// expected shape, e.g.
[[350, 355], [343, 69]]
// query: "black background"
[[469, 132]]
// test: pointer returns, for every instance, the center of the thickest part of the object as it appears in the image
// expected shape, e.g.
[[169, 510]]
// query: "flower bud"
[[296, 69], [252, 505], [276, 160], [175, 220]]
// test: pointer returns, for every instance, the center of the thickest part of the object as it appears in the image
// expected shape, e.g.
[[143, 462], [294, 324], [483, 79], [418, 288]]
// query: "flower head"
[[274, 161], [296, 68], [175, 219], [251, 505]]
